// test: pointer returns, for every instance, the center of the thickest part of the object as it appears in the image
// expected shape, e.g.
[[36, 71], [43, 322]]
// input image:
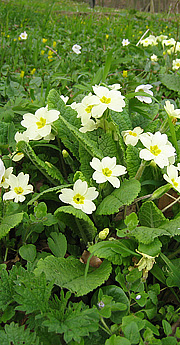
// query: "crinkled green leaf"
[[171, 81], [3, 133], [146, 235], [133, 160], [79, 323], [9, 222], [124, 195], [46, 191], [78, 221], [152, 248], [17, 335], [70, 274], [150, 215], [46, 168]]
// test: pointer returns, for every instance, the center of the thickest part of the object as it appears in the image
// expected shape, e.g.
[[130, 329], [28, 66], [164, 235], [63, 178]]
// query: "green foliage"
[[69, 273], [133, 160], [9, 222], [150, 215], [18, 335], [117, 340], [170, 81], [78, 221], [28, 252], [46, 168], [124, 195], [58, 244]]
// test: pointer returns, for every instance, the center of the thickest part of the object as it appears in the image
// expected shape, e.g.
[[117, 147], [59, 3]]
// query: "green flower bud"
[[104, 233]]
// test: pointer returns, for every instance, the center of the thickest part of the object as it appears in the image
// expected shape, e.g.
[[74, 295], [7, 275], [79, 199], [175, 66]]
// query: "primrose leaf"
[[124, 195], [150, 215], [46, 168], [70, 274], [78, 221], [133, 160], [171, 81], [9, 222]]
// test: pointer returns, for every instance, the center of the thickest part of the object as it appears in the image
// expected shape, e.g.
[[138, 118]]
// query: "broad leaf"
[[70, 274], [58, 244], [133, 160], [9, 222], [15, 334], [171, 81], [124, 195], [150, 215], [78, 221]]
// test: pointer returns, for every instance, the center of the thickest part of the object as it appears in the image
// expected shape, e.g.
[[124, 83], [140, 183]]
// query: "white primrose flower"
[[17, 156], [39, 125], [84, 109], [175, 64], [4, 180], [154, 58], [23, 35], [64, 98], [145, 88], [158, 149], [107, 170], [2, 169], [172, 177], [169, 42], [173, 113], [132, 137], [149, 41], [80, 196], [160, 38], [106, 98], [89, 126], [125, 42], [115, 86], [19, 187], [76, 48]]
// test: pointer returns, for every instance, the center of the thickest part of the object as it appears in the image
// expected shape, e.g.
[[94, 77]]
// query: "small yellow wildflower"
[[124, 74], [15, 39], [19, 38], [107, 36], [8, 36], [44, 40], [22, 74], [42, 52], [33, 71], [54, 44]]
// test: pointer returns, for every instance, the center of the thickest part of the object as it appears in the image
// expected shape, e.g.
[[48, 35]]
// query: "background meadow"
[[107, 274]]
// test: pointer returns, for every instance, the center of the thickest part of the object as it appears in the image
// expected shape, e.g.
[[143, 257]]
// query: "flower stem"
[[140, 170], [173, 134], [106, 328]]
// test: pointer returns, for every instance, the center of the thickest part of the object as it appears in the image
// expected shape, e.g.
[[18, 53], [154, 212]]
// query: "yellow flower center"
[[3, 179], [18, 190], [41, 123], [133, 134], [174, 183], [155, 150], [178, 64], [89, 108], [78, 199], [107, 172], [105, 100]]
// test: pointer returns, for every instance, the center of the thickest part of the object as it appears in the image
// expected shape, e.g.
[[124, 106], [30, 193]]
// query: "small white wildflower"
[[154, 58], [175, 64], [4, 180], [125, 42], [64, 98], [76, 49], [23, 35], [138, 297], [172, 177], [2, 169]]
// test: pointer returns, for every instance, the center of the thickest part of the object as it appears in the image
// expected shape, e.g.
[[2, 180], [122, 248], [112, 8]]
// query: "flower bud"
[[65, 154], [104, 233]]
